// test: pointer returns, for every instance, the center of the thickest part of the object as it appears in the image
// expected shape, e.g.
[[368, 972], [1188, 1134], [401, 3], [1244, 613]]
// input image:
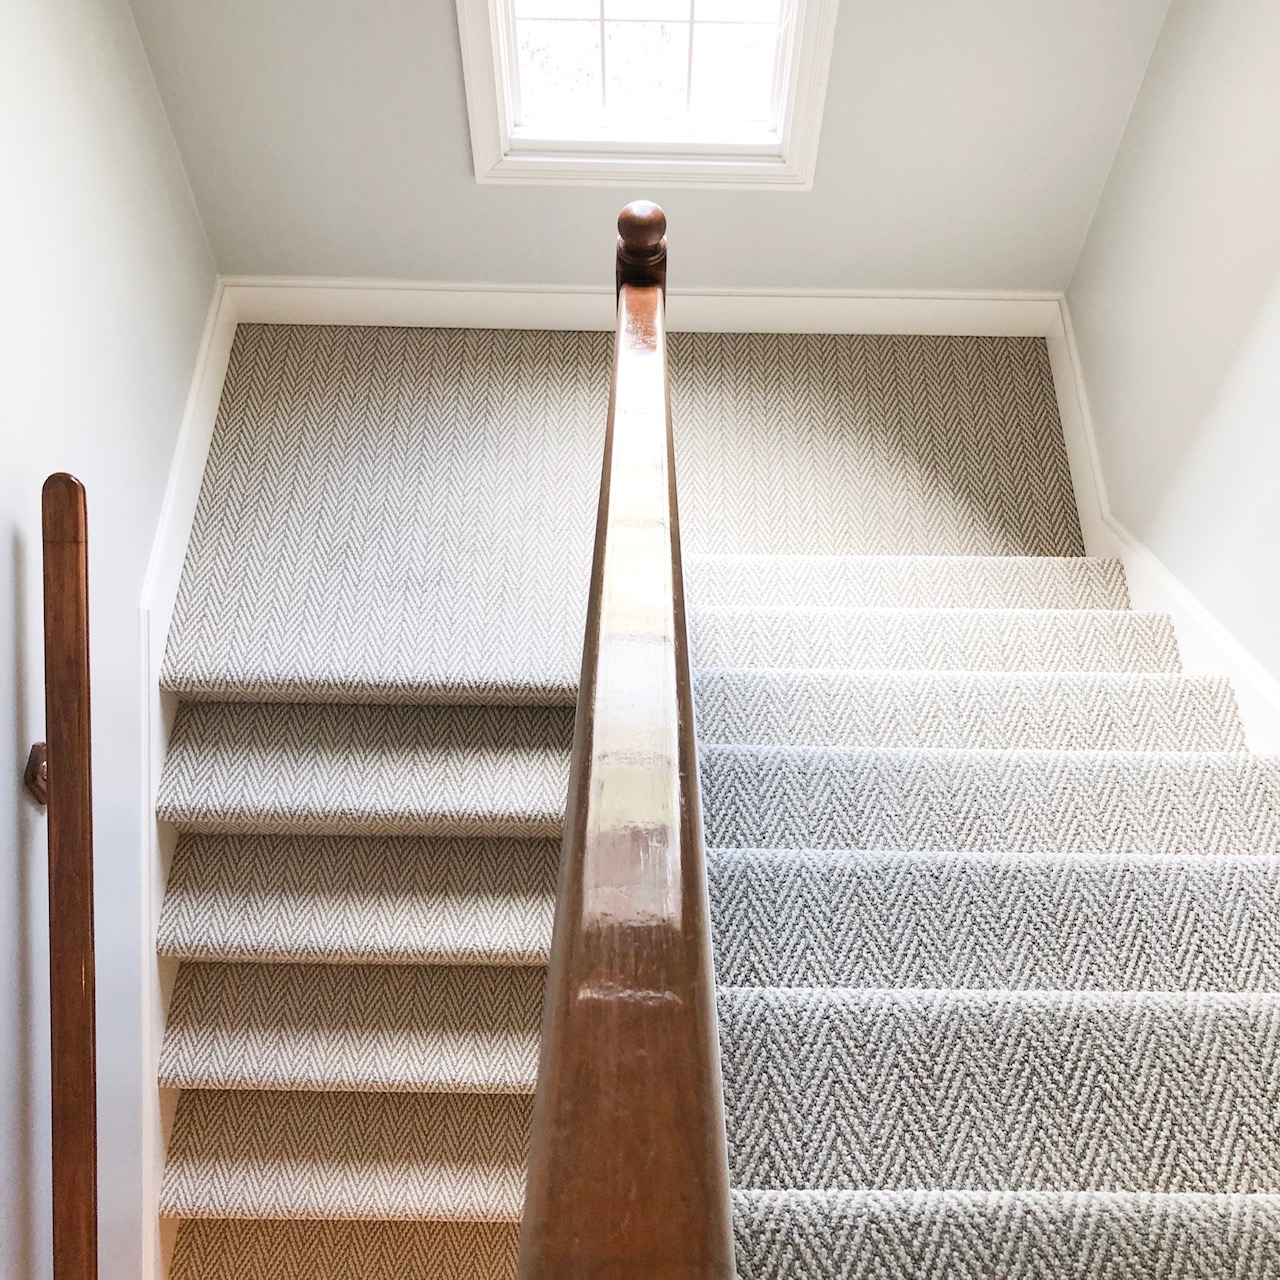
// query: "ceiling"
[[964, 146]]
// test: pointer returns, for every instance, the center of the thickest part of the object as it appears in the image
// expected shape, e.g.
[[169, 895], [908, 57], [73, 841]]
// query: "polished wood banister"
[[628, 1175], [63, 772]]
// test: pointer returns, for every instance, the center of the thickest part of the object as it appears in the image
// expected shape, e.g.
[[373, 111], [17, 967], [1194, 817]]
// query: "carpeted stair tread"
[[1010, 710], [276, 1249], [991, 801], [264, 1154], [934, 639], [245, 682], [809, 918], [241, 768], [353, 900], [1023, 1235], [906, 582], [417, 1028], [997, 1091]]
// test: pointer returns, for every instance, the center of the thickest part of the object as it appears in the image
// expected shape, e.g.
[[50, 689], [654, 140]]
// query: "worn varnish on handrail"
[[69, 794], [628, 1173]]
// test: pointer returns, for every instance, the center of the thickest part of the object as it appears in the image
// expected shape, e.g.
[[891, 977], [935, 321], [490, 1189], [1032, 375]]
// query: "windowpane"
[[646, 69], [559, 65], [557, 8], [736, 11], [733, 69], [648, 10]]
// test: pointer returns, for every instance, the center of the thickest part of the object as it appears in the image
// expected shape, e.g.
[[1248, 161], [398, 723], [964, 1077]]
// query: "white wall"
[[1176, 307], [107, 281], [964, 144]]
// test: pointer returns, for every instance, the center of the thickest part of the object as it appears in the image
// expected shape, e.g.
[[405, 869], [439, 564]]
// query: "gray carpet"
[[905, 582], [994, 921], [341, 1249], [994, 885], [933, 639], [268, 769], [1002, 801], [393, 1028], [357, 1154], [350, 900], [956, 1235], [988, 1090], [1006, 710]]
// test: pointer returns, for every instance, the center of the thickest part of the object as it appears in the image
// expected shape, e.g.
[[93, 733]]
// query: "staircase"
[[996, 946], [993, 884]]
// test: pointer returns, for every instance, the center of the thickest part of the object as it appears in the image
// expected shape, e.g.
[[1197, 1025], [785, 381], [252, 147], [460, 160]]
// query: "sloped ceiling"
[[964, 146]]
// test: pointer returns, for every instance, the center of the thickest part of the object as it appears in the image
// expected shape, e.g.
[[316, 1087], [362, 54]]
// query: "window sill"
[[601, 169]]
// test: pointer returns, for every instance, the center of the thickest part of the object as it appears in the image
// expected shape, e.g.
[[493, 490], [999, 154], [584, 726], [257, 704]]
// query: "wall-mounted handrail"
[[65, 774], [628, 1174]]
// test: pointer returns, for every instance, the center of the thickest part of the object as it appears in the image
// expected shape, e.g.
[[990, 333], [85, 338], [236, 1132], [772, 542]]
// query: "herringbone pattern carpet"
[[994, 891], [992, 921], [397, 515], [994, 885], [345, 900], [958, 1235], [406, 1028], [910, 1090], [249, 1153]]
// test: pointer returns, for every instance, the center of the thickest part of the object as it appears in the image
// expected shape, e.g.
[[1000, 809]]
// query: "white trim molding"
[[1207, 647], [266, 300], [159, 593], [787, 162]]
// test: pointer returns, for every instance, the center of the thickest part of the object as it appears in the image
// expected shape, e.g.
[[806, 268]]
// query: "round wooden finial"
[[641, 226], [642, 244]]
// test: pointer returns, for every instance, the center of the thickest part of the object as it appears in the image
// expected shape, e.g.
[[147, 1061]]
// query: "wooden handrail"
[[628, 1174], [66, 777]]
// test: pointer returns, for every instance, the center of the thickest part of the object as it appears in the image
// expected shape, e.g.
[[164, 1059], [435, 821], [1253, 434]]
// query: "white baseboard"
[[370, 302], [159, 592], [1207, 647], [264, 300]]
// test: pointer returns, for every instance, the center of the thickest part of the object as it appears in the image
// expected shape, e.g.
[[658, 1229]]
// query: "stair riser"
[[1028, 712], [360, 901], [808, 919], [385, 1028], [906, 582], [988, 1092], [951, 1236], [1050, 802], [245, 1249], [447, 772], [346, 1156], [934, 640]]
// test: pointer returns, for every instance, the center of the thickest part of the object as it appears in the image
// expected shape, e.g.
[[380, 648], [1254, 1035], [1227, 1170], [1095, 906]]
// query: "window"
[[677, 91]]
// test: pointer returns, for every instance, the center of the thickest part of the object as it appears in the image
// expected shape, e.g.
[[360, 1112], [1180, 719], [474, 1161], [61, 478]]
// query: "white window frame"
[[500, 158]]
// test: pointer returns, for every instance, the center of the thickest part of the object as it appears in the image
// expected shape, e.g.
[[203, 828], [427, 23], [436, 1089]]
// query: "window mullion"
[[510, 43], [604, 79], [556, 74], [688, 72]]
